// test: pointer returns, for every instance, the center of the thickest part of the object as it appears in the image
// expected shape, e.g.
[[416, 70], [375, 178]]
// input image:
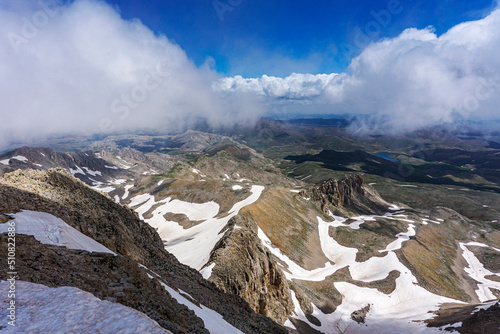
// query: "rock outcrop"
[[467, 319], [349, 192], [245, 268]]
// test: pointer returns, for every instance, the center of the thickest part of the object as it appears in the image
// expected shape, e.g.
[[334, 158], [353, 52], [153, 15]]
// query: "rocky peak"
[[339, 193], [245, 268], [349, 192]]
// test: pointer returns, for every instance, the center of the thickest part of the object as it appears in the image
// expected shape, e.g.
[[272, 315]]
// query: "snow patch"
[[51, 230], [41, 309], [478, 272], [401, 237], [92, 172], [20, 158], [104, 189], [119, 181], [237, 187], [214, 322], [127, 188], [78, 170], [207, 271]]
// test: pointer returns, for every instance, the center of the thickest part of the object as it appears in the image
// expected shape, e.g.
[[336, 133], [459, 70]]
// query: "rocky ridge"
[[245, 268], [136, 243]]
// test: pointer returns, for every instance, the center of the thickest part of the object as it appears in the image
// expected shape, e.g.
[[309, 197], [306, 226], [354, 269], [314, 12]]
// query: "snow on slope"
[[402, 237], [478, 272], [214, 322], [127, 189], [191, 246], [78, 170], [51, 230], [41, 309], [389, 313]]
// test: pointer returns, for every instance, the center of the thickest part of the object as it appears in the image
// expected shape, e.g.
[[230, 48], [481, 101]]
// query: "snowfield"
[[41, 309], [478, 272], [191, 246], [51, 230], [400, 311]]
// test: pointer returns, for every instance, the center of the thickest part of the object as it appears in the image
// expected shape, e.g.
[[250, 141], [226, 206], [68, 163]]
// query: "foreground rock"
[[115, 278]]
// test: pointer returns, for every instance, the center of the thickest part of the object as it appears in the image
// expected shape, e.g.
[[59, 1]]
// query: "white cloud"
[[406, 83], [296, 86], [79, 68]]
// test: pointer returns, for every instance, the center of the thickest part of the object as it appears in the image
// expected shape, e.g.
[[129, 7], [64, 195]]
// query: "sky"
[[256, 37], [88, 67]]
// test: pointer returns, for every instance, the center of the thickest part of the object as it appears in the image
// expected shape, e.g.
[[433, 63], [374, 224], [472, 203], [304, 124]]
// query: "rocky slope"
[[244, 267], [116, 278], [350, 193], [331, 257]]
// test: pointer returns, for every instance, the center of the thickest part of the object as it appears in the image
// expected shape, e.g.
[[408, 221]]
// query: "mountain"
[[71, 235], [319, 240], [85, 165]]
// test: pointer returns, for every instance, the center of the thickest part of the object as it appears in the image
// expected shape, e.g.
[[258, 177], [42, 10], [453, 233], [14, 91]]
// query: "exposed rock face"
[[341, 192], [484, 320], [119, 229], [245, 268], [349, 192]]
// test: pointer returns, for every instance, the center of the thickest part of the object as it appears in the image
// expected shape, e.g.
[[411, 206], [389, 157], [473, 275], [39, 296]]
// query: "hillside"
[[139, 274], [317, 243]]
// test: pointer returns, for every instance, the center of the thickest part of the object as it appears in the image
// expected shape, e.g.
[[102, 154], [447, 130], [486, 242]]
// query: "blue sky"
[[280, 37]]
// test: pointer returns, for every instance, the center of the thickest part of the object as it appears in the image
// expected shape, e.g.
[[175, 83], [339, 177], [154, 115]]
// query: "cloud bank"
[[294, 87], [413, 81], [79, 68]]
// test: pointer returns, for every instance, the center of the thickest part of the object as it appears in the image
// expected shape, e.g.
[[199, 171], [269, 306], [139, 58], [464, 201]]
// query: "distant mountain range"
[[288, 227]]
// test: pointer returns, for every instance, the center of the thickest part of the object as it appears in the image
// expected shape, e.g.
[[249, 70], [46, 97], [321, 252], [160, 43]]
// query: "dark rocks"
[[349, 192], [360, 315]]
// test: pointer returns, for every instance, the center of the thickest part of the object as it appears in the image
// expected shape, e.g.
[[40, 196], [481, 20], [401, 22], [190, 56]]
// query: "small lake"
[[385, 155]]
